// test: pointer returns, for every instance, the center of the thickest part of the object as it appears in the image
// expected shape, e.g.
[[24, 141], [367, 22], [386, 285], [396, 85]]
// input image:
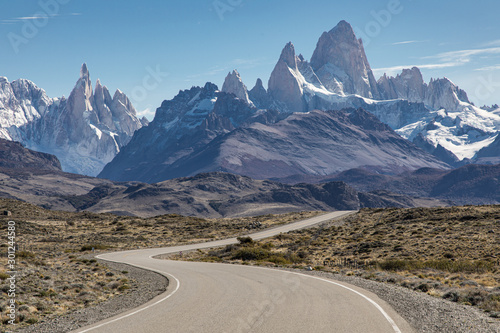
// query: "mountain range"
[[85, 131], [388, 126], [317, 118], [39, 180]]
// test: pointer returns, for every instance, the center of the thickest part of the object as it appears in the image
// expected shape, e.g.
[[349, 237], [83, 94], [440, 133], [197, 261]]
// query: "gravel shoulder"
[[148, 285], [423, 312]]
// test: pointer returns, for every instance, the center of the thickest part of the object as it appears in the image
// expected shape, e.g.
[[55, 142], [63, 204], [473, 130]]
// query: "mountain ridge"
[[317, 142], [85, 131]]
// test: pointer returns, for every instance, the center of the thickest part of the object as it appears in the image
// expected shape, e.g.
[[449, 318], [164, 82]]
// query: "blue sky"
[[152, 49]]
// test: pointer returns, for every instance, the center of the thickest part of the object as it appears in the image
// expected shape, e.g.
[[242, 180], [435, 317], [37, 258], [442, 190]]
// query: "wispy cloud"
[[396, 69], [489, 68], [35, 17], [449, 59], [408, 42], [28, 18], [465, 56], [148, 113], [491, 43]]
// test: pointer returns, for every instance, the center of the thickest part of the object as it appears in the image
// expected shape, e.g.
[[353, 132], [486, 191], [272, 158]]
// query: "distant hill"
[[205, 195], [13, 155], [470, 184]]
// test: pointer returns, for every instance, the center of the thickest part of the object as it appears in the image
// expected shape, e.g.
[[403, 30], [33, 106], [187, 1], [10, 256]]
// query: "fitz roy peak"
[[433, 115], [340, 63], [85, 131]]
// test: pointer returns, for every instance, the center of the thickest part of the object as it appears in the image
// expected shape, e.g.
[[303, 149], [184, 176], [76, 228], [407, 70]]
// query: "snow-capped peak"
[[85, 131]]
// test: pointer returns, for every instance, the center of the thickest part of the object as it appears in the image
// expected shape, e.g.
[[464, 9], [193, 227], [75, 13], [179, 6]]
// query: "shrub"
[[251, 253], [124, 287], [245, 240], [25, 254], [424, 287], [459, 266], [452, 296]]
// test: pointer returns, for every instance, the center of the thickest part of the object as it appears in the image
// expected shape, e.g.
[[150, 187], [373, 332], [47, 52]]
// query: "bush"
[[245, 240], [424, 287], [452, 296], [459, 266], [251, 253], [25, 254]]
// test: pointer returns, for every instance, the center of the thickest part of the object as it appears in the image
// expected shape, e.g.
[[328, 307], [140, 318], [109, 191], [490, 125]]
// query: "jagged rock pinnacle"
[[234, 85], [84, 72]]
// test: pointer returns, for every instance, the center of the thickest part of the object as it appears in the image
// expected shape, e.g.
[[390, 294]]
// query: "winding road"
[[220, 298]]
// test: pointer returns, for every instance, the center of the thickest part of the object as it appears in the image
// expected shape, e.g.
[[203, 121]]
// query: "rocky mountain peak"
[[85, 131], [443, 93], [339, 57], [413, 73], [259, 84], [258, 95], [119, 96], [288, 56], [234, 85], [84, 72], [344, 31], [408, 85], [284, 85], [209, 89]]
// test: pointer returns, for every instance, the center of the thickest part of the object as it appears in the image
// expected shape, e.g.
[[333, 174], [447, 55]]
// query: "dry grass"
[[55, 275], [452, 253]]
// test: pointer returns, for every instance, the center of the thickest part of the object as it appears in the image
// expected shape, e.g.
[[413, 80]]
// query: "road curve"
[[206, 297]]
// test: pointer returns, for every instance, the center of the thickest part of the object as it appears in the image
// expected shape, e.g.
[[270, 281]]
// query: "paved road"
[[219, 298]]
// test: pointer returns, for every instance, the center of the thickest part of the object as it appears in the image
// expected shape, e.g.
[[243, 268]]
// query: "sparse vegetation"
[[453, 253], [57, 274]]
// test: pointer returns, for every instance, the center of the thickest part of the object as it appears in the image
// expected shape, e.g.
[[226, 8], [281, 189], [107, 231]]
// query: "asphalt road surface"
[[222, 298]]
